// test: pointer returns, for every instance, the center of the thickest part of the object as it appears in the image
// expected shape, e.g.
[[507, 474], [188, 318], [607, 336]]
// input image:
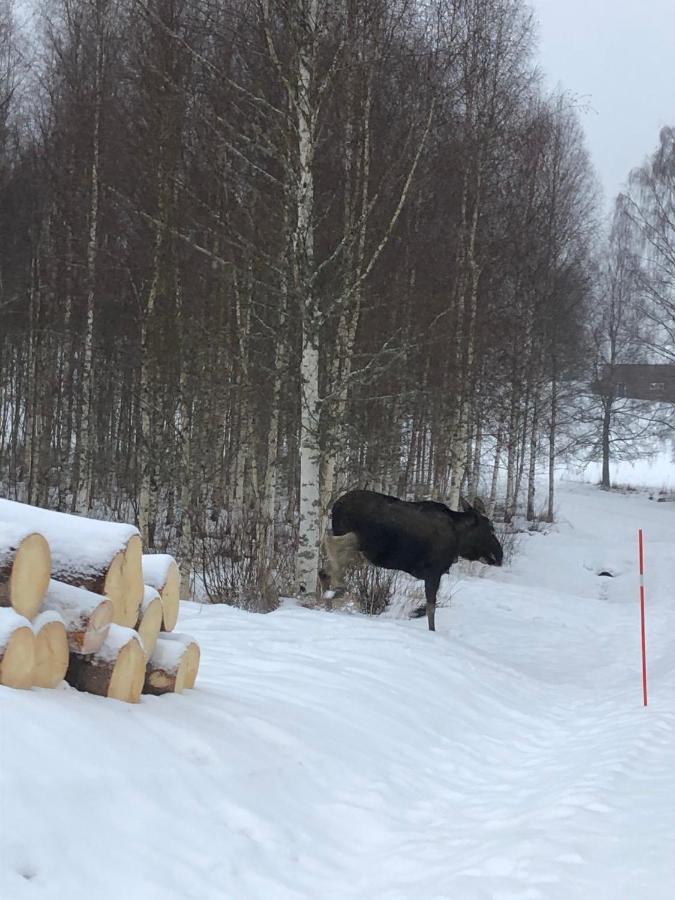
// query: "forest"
[[256, 252]]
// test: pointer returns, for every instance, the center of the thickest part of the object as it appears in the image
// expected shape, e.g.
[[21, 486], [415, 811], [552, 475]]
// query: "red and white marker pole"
[[642, 615]]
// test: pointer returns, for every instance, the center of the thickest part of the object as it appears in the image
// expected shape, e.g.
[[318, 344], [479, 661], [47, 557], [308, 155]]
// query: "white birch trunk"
[[495, 472], [266, 535], [148, 488], [466, 347], [185, 411], [84, 486], [532, 470], [310, 453], [552, 450]]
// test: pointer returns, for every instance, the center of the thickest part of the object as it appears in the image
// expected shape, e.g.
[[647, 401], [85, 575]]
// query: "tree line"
[[255, 252]]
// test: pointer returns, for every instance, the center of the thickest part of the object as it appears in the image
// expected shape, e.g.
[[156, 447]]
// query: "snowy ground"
[[336, 757], [657, 471]]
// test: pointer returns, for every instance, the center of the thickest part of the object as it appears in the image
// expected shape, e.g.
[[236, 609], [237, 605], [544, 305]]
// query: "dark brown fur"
[[422, 538]]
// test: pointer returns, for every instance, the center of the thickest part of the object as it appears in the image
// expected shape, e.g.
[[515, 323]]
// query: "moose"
[[423, 538]]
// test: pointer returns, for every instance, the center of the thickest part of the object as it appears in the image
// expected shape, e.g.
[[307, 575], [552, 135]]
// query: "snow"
[[156, 569], [179, 637], [167, 655], [150, 594], [45, 618], [73, 604], [11, 535], [335, 756], [656, 471], [118, 637], [89, 541], [10, 620]]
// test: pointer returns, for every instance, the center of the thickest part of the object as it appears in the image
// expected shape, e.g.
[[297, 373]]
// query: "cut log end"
[[113, 587], [150, 621], [160, 571], [173, 667], [51, 653], [86, 615], [133, 579], [192, 656], [128, 674], [124, 583], [116, 671], [17, 651], [170, 595], [28, 575], [94, 634]]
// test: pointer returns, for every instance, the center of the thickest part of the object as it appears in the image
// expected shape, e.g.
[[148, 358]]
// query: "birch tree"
[[255, 254], [650, 207]]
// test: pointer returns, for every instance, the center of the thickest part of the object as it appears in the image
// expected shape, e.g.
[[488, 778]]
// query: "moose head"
[[477, 538]]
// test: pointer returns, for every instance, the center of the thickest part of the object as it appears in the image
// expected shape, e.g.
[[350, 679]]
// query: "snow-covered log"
[[17, 650], [103, 557], [86, 616], [150, 619], [25, 567], [160, 571], [173, 665], [116, 670], [51, 650]]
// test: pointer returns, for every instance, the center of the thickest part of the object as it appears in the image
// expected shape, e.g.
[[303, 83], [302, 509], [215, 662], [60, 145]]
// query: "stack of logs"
[[80, 601]]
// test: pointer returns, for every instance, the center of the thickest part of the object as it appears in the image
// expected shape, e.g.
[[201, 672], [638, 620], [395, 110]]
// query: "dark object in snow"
[[423, 538], [606, 574]]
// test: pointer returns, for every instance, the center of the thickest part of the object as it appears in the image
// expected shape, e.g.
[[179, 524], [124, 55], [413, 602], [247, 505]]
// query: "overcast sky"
[[619, 57]]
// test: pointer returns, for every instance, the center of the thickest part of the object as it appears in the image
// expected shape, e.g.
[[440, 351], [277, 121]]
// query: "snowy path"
[[507, 757]]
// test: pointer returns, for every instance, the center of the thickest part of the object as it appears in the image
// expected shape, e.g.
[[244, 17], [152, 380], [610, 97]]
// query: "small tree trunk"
[[495, 470], [185, 412], [474, 478], [310, 450], [551, 450], [512, 450], [606, 451], [147, 501], [84, 487], [531, 474]]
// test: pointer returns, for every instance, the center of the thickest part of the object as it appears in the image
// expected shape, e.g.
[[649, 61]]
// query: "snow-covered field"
[[331, 757], [657, 471]]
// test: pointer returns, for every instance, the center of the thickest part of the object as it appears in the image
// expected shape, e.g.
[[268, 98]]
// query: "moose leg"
[[341, 550], [431, 583]]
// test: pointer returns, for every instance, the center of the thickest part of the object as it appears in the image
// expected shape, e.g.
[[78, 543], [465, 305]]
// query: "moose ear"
[[479, 506], [466, 506]]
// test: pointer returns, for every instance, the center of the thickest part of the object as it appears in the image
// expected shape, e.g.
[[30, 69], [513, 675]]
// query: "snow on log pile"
[[80, 601], [102, 557]]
